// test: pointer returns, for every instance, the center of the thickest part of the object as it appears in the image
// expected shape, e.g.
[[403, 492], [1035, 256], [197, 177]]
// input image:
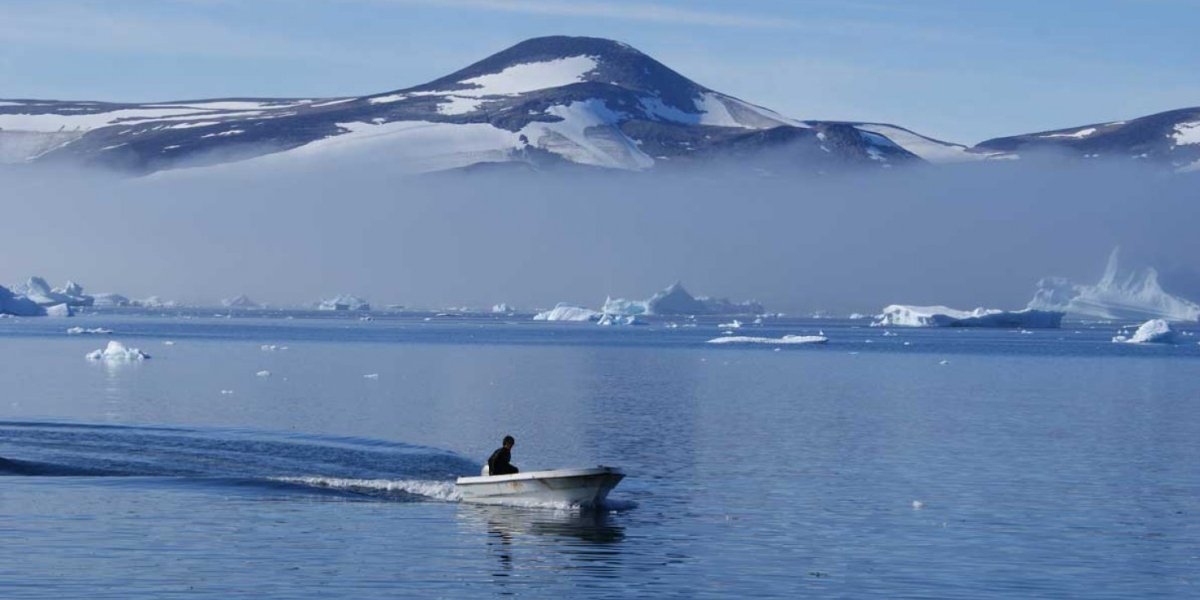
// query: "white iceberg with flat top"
[[900, 315], [1154, 331], [785, 340], [117, 352], [1119, 295]]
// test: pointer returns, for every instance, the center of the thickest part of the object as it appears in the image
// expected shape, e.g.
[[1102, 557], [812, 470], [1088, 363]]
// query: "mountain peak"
[[608, 62]]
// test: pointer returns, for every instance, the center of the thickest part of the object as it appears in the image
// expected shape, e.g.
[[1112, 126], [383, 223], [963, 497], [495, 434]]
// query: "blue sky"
[[962, 70]]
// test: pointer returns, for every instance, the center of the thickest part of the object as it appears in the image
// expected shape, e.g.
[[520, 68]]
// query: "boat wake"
[[361, 467]]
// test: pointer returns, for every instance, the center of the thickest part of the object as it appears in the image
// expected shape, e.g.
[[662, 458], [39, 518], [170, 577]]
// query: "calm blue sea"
[[305, 455]]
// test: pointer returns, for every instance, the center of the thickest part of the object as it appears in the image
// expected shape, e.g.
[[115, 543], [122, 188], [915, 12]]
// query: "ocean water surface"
[[293, 455]]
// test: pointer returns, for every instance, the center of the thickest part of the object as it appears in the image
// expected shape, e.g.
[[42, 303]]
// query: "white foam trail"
[[437, 490]]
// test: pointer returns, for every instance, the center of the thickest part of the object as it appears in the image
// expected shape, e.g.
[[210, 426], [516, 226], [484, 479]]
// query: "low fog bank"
[[974, 235]]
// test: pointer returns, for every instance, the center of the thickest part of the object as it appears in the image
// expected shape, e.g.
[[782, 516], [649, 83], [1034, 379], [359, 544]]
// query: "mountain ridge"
[[544, 101]]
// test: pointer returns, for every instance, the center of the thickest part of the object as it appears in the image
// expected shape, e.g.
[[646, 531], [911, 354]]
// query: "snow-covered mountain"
[[547, 100], [1171, 138]]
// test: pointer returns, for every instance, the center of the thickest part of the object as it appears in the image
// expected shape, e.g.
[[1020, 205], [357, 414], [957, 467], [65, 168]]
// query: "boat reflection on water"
[[535, 538]]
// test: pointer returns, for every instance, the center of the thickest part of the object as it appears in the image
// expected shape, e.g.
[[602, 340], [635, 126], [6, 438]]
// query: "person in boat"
[[499, 463]]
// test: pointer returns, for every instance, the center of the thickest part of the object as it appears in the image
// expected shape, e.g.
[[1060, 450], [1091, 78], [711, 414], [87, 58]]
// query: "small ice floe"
[[787, 339], [366, 318], [272, 348], [226, 392], [889, 334], [263, 373], [92, 331], [117, 352], [168, 343], [371, 376], [944, 362], [917, 505], [1026, 332], [734, 324], [907, 343], [1155, 331]]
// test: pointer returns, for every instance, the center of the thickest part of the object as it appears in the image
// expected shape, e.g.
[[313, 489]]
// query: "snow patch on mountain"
[[1187, 133], [529, 77], [929, 149], [1082, 133]]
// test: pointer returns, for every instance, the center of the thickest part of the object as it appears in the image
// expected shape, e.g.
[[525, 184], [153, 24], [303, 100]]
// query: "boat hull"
[[571, 487]]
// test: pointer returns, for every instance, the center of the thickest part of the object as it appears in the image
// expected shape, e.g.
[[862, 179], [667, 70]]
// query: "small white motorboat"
[[583, 487]]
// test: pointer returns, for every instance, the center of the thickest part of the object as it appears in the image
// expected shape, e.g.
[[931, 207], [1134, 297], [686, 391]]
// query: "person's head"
[[509, 441]]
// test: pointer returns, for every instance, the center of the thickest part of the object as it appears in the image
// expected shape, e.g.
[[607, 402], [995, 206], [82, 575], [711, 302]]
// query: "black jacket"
[[498, 462]]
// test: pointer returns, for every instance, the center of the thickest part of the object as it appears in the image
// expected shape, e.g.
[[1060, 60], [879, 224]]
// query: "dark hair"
[[508, 439]]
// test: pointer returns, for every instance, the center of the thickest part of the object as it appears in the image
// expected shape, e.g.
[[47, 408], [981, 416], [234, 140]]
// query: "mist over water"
[[963, 236]]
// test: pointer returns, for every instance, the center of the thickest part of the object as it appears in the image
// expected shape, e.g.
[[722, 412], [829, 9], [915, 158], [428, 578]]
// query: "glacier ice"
[[18, 305], [1154, 331], [117, 352], [566, 312], [344, 302], [900, 315], [37, 290], [675, 300], [1132, 295]]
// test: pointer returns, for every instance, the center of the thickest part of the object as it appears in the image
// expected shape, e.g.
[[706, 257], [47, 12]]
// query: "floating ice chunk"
[[117, 352], [611, 319], [344, 302], [92, 331], [1155, 331], [226, 392], [263, 373], [786, 340], [168, 343], [566, 312], [371, 376], [734, 324], [899, 315], [918, 505], [501, 308], [944, 362], [59, 310]]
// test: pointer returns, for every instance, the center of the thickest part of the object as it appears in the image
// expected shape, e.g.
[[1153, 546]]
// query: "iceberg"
[[898, 315], [117, 352], [1119, 295], [566, 312], [1154, 331], [18, 305], [675, 300], [60, 310], [153, 302], [110, 300], [240, 301], [344, 302], [37, 290], [785, 340], [92, 331], [501, 308]]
